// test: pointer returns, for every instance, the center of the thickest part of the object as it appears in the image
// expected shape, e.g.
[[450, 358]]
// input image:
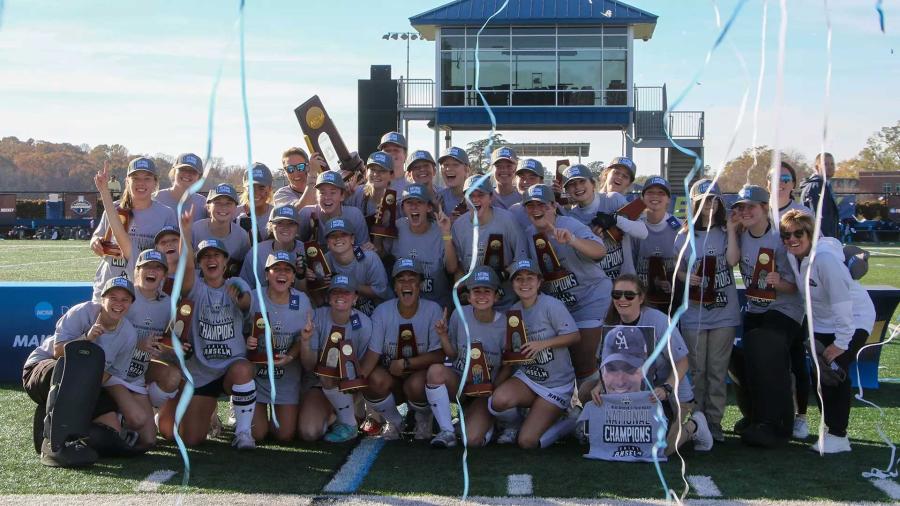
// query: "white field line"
[[704, 486], [152, 482], [519, 484], [70, 260], [889, 487]]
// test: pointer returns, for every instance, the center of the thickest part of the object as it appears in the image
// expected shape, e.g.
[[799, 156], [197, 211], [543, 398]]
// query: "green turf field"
[[406, 468]]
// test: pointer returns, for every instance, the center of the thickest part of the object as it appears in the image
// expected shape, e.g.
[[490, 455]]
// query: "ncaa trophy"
[[656, 272], [330, 357], [406, 342], [315, 258], [547, 259], [258, 354], [562, 198], [321, 134], [182, 326], [478, 381], [348, 368], [765, 263], [632, 211], [109, 247], [515, 339], [493, 254], [705, 292], [384, 223]]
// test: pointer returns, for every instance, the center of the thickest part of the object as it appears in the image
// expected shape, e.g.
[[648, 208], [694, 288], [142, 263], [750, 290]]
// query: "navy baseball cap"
[[404, 264], [577, 171], [752, 193], [118, 282], [283, 213], [189, 160], [531, 165], [525, 264], [699, 189], [141, 163], [380, 160], [168, 229], [504, 153], [416, 191], [458, 154], [627, 163], [419, 155], [211, 244], [538, 193], [626, 344], [483, 276], [260, 174], [395, 138], [281, 257], [151, 255], [656, 181], [337, 225], [223, 190], [486, 186], [331, 177], [342, 282]]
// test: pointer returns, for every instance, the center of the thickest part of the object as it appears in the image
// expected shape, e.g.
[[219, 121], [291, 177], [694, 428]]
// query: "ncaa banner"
[[80, 206], [623, 429]]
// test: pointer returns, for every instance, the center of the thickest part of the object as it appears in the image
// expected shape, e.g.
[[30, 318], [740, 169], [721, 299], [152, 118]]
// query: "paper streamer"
[[472, 264], [891, 470], [879, 7], [759, 84]]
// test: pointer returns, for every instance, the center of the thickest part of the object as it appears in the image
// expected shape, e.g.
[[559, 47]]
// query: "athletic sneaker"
[[243, 441], [509, 436], [444, 439], [371, 427], [716, 430], [424, 422], [75, 453], [702, 437], [341, 433], [232, 420], [762, 435], [833, 444], [801, 428], [741, 425], [215, 427], [389, 432]]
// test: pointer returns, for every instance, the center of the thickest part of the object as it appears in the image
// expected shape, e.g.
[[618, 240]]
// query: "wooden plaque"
[[632, 211], [656, 271], [765, 263], [516, 337], [330, 355], [547, 259], [258, 354], [348, 367], [384, 223], [478, 381], [705, 292]]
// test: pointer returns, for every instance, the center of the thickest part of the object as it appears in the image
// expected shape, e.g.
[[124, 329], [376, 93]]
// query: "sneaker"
[[444, 439], [75, 453], [215, 427], [509, 436], [833, 444], [801, 428], [389, 432], [762, 435], [424, 421], [717, 434], [702, 437], [741, 425], [232, 420], [243, 441], [341, 433], [370, 427]]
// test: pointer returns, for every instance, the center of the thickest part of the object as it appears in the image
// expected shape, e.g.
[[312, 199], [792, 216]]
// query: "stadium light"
[[407, 36]]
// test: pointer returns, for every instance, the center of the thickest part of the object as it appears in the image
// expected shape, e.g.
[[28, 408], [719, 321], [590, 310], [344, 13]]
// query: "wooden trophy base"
[[516, 357], [706, 297], [383, 231], [110, 249], [765, 295], [478, 389], [353, 385], [326, 372], [257, 357], [556, 276], [317, 285]]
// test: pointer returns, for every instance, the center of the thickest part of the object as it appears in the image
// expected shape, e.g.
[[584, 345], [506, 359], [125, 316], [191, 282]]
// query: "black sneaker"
[[37, 422], [762, 435], [74, 453], [741, 425]]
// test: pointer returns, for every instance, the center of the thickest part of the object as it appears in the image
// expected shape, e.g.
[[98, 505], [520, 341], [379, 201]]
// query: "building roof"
[[535, 12]]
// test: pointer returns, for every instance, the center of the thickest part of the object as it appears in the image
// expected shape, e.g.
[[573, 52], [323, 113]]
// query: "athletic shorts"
[[214, 388], [560, 396], [132, 387], [589, 324]]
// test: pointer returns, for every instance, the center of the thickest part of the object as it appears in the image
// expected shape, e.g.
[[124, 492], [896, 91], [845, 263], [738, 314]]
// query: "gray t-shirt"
[[514, 246], [789, 304], [166, 197], [262, 220], [117, 345], [113, 267], [386, 339], [428, 250], [216, 331], [365, 269], [448, 200], [506, 201], [585, 291], [265, 249], [367, 206], [237, 242], [286, 196], [725, 311], [150, 317], [354, 217], [520, 215], [546, 319], [286, 322], [492, 337], [619, 258]]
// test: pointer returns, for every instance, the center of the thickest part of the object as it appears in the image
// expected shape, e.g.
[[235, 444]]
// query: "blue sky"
[[139, 73]]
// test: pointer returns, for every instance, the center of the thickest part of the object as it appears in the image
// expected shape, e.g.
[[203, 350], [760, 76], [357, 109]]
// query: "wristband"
[[447, 237]]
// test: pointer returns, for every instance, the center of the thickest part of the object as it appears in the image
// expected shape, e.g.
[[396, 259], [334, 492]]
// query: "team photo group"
[[569, 287]]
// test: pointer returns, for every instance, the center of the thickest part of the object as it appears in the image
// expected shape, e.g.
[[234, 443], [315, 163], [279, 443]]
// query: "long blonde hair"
[[127, 200], [245, 196]]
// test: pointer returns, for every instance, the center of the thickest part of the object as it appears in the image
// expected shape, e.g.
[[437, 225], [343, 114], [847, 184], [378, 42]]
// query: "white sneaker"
[[243, 441], [424, 421], [215, 427], [833, 444], [389, 432], [702, 437], [444, 439], [801, 428], [232, 420], [509, 436]]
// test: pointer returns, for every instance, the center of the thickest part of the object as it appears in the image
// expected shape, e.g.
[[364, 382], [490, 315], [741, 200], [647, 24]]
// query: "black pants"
[[799, 370], [837, 398], [36, 381], [762, 369]]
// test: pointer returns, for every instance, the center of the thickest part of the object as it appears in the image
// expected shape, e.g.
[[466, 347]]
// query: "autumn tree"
[[475, 150], [752, 167], [882, 153]]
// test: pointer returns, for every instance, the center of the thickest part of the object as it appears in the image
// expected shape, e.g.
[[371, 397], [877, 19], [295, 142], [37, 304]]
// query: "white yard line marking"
[[704, 486], [351, 474], [519, 484], [152, 482], [889, 487], [7, 266]]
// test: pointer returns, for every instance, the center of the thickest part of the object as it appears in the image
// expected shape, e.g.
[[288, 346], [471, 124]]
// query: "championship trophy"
[[547, 259], [656, 272], [167, 286], [705, 292], [322, 136], [384, 224], [315, 259], [460, 208], [632, 211], [515, 338], [348, 368], [109, 247], [181, 327], [329, 358], [258, 355], [562, 198], [765, 263], [493, 254], [478, 381], [406, 342]]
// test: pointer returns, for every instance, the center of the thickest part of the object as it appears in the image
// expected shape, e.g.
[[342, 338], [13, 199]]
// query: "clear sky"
[[139, 73]]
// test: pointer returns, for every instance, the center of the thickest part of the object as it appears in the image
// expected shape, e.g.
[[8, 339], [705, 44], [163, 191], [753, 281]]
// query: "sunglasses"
[[299, 167], [786, 178], [798, 234], [628, 294]]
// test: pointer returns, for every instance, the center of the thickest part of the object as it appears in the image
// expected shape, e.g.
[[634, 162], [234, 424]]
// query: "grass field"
[[408, 469]]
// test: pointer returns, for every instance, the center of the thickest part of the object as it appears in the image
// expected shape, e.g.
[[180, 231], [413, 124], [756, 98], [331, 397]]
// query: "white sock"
[[422, 412], [439, 400], [342, 404], [507, 418], [387, 408], [559, 429], [158, 396], [243, 400]]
